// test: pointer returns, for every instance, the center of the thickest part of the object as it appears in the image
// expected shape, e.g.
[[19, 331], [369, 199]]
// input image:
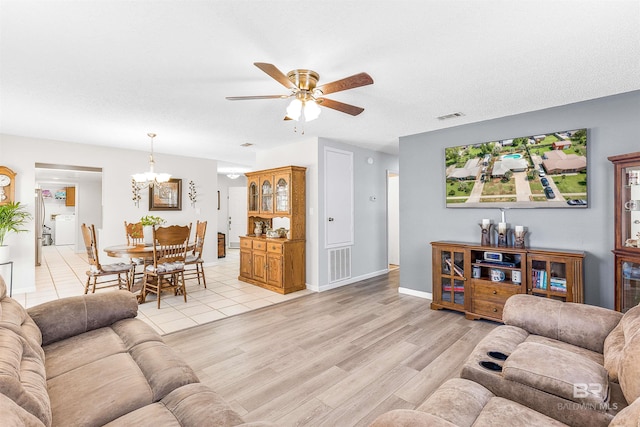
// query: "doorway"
[[67, 196], [393, 219], [237, 215]]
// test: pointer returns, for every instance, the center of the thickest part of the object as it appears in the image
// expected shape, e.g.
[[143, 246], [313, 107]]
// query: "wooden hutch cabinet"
[[275, 195], [477, 280], [626, 250]]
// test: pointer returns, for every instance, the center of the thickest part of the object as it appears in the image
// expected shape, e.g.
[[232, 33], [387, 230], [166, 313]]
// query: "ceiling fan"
[[307, 96]]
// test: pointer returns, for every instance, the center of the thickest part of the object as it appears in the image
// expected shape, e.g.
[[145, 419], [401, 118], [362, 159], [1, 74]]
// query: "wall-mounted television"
[[537, 171]]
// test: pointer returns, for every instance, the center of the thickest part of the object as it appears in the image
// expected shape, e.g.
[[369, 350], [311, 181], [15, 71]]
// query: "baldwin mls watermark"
[[585, 390]]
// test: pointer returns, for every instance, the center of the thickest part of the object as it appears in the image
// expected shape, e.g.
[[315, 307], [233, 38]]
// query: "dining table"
[[130, 251], [144, 251]]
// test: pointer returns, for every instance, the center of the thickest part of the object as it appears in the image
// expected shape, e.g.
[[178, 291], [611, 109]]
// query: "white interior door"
[[339, 212], [237, 215]]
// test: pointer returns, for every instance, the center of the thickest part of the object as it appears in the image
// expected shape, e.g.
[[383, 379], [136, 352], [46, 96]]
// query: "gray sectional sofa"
[[87, 361], [551, 364]]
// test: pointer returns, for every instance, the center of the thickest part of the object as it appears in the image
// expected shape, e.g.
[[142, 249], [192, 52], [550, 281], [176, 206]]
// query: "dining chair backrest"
[[91, 244], [135, 233], [170, 243], [201, 230]]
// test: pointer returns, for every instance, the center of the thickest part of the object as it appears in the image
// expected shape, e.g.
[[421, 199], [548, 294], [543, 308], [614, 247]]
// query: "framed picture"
[[166, 197]]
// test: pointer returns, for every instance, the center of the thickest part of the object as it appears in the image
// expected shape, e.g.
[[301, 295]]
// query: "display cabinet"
[[627, 230], [477, 280], [449, 277], [556, 275], [275, 197]]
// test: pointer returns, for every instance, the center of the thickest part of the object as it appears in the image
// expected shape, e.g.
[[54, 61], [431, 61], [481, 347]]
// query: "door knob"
[[330, 219]]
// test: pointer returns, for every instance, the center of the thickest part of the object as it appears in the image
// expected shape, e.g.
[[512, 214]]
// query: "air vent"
[[246, 144], [450, 116], [339, 264]]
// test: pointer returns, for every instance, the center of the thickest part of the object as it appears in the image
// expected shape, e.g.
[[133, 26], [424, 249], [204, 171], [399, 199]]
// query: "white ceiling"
[[108, 72]]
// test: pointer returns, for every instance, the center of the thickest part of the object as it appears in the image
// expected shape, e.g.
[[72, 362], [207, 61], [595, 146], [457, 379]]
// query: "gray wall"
[[613, 128]]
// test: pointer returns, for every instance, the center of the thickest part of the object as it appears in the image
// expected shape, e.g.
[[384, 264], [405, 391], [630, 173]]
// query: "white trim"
[[414, 293], [349, 242], [334, 285]]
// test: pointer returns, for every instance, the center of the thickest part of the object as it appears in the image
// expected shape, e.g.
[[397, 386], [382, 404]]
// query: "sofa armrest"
[[585, 326], [67, 317]]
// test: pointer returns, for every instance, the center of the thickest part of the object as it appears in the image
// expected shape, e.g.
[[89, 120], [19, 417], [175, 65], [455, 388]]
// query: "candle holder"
[[518, 241], [502, 235], [485, 237]]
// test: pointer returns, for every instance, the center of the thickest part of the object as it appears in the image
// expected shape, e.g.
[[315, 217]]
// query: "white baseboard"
[[414, 293], [345, 282]]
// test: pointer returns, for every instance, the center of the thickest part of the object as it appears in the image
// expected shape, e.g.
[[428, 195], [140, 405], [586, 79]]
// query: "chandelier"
[[150, 178]]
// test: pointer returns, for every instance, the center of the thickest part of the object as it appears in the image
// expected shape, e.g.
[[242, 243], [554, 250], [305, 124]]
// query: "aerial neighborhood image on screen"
[[539, 171]]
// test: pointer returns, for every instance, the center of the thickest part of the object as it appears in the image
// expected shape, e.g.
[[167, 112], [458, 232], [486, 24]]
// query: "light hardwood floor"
[[336, 358]]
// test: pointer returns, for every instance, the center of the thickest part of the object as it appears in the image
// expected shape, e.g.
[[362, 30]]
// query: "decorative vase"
[[147, 230], [5, 254], [258, 230], [485, 237]]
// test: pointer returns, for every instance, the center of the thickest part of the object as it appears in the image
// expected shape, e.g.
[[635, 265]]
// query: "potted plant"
[[12, 218], [148, 221]]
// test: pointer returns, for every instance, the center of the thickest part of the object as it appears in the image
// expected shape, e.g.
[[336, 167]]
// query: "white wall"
[[21, 154]]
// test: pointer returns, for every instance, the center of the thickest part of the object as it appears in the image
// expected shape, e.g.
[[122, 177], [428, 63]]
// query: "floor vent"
[[339, 264]]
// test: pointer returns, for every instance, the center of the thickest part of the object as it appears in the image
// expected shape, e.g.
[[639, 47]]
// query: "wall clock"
[[7, 185]]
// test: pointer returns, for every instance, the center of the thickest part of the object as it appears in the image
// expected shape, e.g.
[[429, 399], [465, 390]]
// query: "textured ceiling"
[[108, 72]]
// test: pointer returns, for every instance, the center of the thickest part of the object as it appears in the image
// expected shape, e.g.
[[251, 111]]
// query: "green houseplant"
[[148, 221], [12, 218]]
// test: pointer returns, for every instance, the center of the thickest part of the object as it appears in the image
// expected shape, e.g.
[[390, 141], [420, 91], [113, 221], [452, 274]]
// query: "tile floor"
[[62, 274]]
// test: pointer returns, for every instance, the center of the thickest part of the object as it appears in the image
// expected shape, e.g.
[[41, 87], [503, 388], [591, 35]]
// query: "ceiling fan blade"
[[275, 74], [243, 98], [340, 106], [354, 81]]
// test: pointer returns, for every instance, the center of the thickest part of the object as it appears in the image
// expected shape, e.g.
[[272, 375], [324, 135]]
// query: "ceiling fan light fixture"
[[294, 109], [311, 111]]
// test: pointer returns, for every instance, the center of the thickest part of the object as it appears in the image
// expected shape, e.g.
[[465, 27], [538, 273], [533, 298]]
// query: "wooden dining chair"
[[103, 274], [134, 232], [169, 254], [195, 257]]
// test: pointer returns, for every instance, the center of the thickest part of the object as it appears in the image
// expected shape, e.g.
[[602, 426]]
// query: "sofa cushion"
[[14, 415], [119, 369], [613, 346], [589, 354], [68, 317], [409, 418], [98, 392], [190, 405], [458, 401], [629, 367], [629, 416], [504, 412], [22, 375], [558, 372], [75, 352], [582, 325]]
